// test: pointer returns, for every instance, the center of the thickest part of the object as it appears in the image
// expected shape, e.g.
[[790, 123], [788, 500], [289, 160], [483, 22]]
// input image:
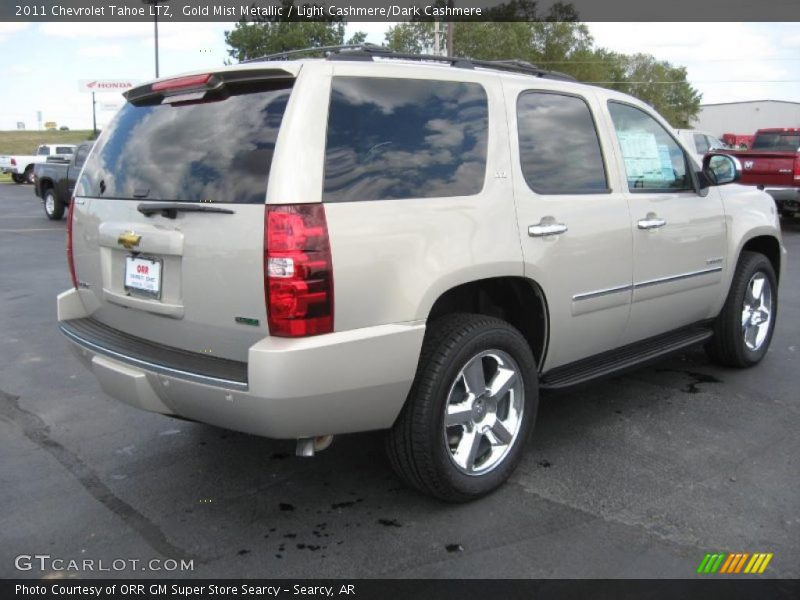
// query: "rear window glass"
[[404, 138], [217, 151], [43, 151], [777, 142], [65, 149]]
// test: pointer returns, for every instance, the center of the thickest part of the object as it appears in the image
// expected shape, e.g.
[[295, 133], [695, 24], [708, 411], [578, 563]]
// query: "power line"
[[692, 82], [612, 62]]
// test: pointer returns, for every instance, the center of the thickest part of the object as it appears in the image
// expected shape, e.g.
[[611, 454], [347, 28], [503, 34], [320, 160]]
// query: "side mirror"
[[720, 169]]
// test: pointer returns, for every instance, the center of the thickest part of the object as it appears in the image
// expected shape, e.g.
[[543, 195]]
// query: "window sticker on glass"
[[642, 156], [666, 162]]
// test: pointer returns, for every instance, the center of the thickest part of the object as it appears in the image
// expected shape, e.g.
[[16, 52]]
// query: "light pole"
[[154, 9]]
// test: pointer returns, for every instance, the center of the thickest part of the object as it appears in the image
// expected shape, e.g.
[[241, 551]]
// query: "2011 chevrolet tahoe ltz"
[[303, 248]]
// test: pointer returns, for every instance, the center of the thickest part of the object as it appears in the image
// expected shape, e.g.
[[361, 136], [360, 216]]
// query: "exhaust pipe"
[[307, 447]]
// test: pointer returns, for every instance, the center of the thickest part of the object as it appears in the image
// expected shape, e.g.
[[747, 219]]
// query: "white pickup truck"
[[21, 167]]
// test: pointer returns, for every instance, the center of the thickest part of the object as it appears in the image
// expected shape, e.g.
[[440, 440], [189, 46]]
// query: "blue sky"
[[44, 61]]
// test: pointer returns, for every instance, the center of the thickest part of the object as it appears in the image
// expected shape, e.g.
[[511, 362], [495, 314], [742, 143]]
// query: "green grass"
[[5, 178], [25, 142]]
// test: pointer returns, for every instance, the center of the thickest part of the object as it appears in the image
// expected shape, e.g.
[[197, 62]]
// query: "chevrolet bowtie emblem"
[[129, 239]]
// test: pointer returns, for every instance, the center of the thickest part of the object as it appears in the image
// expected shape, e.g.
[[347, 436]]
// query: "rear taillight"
[[13, 162], [298, 270], [70, 257], [797, 167]]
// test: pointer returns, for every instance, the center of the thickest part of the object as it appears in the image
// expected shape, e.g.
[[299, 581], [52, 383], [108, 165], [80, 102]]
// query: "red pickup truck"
[[773, 163]]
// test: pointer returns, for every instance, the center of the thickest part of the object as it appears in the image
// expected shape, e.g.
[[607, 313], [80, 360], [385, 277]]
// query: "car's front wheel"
[[473, 403], [743, 330], [28, 176]]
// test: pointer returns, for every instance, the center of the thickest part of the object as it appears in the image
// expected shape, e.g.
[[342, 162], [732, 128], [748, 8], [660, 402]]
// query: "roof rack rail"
[[326, 50], [369, 51]]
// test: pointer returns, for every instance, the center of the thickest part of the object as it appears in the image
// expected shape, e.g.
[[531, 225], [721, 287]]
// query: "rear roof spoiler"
[[213, 81]]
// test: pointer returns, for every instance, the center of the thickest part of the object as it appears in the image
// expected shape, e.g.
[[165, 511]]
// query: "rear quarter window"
[[404, 138]]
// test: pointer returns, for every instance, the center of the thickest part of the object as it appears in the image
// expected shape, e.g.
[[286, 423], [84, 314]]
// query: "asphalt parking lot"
[[638, 476]]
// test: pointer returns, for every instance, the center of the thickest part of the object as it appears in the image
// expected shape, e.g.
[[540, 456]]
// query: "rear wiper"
[[170, 209]]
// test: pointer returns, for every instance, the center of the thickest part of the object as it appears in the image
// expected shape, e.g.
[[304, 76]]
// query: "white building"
[[745, 118]]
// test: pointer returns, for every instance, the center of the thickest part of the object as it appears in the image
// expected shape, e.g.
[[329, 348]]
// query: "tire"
[[28, 175], [17, 178], [737, 343], [53, 206], [473, 455]]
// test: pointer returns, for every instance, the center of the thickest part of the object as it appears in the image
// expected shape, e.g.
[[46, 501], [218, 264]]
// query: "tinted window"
[[700, 143], [43, 151], [218, 151], [404, 138], [558, 146], [80, 155], [64, 149], [653, 159], [777, 142]]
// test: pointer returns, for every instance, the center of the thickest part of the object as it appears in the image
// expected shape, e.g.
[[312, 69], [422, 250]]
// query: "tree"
[[271, 35], [662, 86]]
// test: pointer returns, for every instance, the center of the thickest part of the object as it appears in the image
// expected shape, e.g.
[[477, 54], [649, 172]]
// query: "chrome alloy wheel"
[[49, 203], [483, 412], [756, 311]]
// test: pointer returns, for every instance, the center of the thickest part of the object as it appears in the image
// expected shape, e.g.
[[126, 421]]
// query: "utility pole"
[[154, 9], [437, 39], [94, 118], [450, 27]]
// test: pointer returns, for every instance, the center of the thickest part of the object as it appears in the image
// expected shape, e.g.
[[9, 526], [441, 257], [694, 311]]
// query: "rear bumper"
[[289, 388]]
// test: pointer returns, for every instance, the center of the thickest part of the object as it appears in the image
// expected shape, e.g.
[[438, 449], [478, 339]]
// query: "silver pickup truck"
[[303, 248]]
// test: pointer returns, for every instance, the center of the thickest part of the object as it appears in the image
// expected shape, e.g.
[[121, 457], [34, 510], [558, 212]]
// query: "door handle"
[[651, 221], [546, 228]]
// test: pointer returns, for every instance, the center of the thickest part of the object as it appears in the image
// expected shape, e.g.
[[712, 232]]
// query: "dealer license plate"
[[143, 276]]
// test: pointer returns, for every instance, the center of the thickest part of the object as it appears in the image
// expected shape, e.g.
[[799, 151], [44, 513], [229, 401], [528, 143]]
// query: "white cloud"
[[9, 29], [101, 51], [792, 41], [682, 42], [192, 37], [87, 31], [726, 62]]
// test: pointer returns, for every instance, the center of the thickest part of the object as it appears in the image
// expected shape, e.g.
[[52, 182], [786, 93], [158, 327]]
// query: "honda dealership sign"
[[105, 85]]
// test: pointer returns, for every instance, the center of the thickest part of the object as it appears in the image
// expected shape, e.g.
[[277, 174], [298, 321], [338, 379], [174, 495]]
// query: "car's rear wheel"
[[743, 330], [470, 410], [53, 207], [17, 178]]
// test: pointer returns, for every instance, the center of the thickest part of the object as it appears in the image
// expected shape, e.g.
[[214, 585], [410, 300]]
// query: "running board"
[[623, 358]]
